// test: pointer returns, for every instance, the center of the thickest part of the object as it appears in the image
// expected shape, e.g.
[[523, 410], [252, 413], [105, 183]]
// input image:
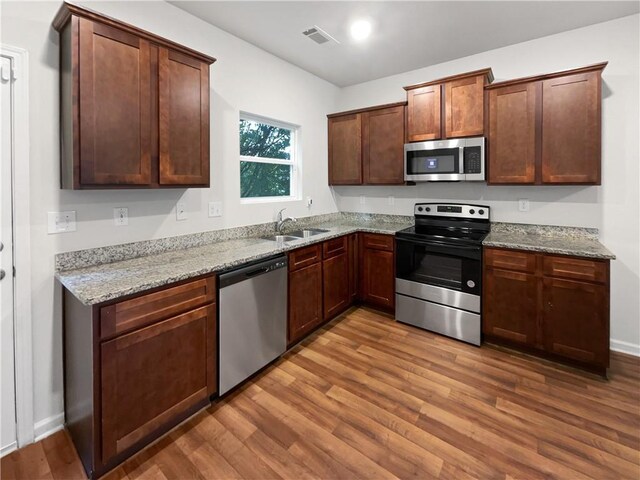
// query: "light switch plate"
[[523, 205], [215, 209], [391, 200], [181, 211], [61, 222], [121, 216], [363, 199]]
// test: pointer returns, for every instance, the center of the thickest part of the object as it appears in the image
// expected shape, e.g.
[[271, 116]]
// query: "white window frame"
[[295, 187]]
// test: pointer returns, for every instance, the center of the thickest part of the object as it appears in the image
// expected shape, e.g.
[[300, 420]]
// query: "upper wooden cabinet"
[[449, 107], [134, 106], [345, 149], [367, 146], [546, 129]]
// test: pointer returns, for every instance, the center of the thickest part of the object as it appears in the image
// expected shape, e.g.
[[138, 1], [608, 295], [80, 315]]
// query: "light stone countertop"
[[101, 283], [578, 242]]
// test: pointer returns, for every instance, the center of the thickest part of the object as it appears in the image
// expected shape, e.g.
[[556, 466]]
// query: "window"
[[268, 160]]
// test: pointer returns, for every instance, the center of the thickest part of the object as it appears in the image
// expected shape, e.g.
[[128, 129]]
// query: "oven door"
[[452, 267]]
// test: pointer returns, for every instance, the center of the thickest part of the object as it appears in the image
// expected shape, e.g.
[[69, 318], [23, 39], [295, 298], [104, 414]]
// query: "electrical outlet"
[[215, 209], [523, 205], [61, 222], [181, 211], [391, 200], [363, 200], [121, 216], [309, 202]]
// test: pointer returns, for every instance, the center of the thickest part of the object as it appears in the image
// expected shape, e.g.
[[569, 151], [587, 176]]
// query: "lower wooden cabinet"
[[335, 280], [354, 267], [377, 279], [123, 390], [305, 301], [554, 305]]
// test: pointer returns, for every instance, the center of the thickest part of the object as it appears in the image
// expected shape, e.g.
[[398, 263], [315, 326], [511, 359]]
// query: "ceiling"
[[405, 36]]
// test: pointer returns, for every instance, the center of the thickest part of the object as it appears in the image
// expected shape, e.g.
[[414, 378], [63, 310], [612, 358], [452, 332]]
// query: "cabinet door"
[[335, 279], [510, 306], [184, 119], [571, 129], [153, 375], [354, 261], [115, 106], [576, 320], [383, 146], [345, 150], [424, 113], [305, 301], [512, 133], [378, 278], [464, 107]]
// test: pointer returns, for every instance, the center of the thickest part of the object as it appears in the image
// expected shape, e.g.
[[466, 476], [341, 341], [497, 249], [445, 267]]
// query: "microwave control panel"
[[473, 160]]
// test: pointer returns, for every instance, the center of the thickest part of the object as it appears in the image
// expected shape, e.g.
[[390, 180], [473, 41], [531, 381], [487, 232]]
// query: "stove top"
[[449, 223]]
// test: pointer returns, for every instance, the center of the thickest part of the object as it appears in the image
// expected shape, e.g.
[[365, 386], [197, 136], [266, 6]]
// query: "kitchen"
[[239, 79]]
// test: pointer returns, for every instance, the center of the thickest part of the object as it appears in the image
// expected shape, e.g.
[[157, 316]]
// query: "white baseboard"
[[48, 426], [8, 448], [625, 347]]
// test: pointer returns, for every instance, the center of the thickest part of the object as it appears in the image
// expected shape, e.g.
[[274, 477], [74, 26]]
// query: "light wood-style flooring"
[[366, 397]]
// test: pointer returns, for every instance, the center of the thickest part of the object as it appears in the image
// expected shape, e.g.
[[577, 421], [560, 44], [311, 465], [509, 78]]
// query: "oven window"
[[438, 270], [422, 162]]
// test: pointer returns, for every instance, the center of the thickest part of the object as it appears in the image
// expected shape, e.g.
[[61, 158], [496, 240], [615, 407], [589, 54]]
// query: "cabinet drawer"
[[334, 247], [141, 311], [575, 268], [510, 260], [303, 257], [378, 242]]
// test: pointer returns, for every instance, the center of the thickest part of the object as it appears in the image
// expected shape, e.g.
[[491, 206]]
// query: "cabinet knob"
[[550, 304]]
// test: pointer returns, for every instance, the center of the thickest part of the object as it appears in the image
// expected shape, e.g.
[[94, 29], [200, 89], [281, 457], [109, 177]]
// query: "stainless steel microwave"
[[455, 160]]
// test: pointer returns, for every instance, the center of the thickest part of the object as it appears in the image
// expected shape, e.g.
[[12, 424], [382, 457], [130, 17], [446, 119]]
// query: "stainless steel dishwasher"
[[253, 319]]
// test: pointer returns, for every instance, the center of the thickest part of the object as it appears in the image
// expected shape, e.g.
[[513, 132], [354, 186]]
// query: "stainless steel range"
[[439, 269]]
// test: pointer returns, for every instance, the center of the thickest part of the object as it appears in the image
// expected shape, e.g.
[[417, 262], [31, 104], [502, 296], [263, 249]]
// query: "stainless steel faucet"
[[281, 221]]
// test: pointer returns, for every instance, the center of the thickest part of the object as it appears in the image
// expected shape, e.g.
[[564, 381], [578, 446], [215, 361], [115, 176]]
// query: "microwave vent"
[[318, 35]]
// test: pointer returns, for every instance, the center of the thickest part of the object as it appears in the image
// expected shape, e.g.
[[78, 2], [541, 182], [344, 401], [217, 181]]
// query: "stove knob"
[[481, 212], [472, 211], [428, 209], [419, 209]]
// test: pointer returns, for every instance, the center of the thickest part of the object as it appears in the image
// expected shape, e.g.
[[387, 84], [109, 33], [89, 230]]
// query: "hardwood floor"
[[366, 397]]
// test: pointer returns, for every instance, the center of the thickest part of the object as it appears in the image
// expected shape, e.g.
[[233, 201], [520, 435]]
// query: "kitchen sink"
[[308, 232], [281, 238]]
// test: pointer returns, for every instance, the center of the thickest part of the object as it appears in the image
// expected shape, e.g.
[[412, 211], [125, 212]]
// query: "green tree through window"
[[267, 159]]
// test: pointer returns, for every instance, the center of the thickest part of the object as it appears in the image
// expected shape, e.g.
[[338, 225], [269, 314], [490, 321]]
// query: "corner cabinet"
[[366, 147], [555, 306], [546, 130], [136, 367], [134, 106], [449, 107]]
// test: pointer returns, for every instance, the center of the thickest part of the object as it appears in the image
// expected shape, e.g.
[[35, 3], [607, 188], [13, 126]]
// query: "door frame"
[[21, 217]]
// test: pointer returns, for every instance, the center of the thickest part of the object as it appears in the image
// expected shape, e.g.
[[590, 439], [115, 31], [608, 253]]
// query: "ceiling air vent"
[[318, 35]]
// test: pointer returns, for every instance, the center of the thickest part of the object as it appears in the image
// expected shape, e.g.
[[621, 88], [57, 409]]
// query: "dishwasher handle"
[[246, 272]]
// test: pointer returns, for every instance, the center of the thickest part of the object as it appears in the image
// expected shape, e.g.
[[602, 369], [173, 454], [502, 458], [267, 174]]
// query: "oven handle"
[[442, 244], [461, 251]]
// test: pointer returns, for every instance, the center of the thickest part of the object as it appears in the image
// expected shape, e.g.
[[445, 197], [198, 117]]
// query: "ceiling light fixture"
[[360, 29]]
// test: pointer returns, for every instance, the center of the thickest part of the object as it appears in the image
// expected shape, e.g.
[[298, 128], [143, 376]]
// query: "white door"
[[7, 368]]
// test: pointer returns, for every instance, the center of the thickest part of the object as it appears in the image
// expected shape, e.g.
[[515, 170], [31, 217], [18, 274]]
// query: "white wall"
[[614, 207], [244, 78]]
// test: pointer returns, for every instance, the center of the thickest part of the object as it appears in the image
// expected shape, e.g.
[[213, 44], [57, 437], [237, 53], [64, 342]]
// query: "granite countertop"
[[101, 283], [579, 242]]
